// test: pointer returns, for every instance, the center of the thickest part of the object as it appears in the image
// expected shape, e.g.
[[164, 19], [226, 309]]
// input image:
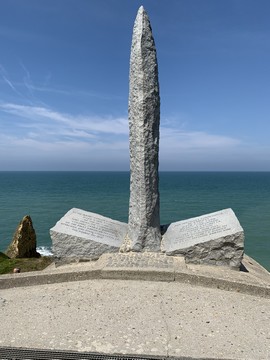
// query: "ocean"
[[47, 196]]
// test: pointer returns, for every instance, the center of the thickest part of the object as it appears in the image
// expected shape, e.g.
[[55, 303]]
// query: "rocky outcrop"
[[24, 243]]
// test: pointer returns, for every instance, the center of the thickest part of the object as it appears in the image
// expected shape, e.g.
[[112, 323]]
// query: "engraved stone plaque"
[[139, 260], [215, 238], [82, 234]]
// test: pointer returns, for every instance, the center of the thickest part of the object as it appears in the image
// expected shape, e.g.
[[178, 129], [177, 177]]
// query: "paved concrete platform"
[[136, 317], [163, 316]]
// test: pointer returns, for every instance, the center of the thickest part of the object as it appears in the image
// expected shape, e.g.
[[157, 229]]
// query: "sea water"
[[47, 196]]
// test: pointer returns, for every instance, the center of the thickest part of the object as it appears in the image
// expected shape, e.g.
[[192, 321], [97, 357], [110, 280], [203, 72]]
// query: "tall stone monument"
[[144, 119], [213, 239]]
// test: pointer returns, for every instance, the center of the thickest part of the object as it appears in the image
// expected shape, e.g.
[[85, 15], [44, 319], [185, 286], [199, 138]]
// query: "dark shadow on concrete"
[[243, 268], [36, 354]]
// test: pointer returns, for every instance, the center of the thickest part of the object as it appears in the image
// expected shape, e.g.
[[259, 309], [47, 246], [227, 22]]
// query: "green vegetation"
[[28, 264]]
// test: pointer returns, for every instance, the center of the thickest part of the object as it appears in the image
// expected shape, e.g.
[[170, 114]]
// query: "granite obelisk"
[[213, 239], [144, 119]]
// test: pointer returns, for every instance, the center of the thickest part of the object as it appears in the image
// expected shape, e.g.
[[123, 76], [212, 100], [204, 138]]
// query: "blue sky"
[[64, 68]]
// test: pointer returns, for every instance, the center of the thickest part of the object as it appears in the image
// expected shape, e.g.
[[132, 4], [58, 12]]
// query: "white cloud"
[[4, 75], [58, 140], [38, 115], [179, 139], [89, 127]]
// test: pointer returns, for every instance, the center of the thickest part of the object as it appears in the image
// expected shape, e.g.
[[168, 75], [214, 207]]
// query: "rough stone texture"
[[214, 239], [84, 235], [24, 243], [144, 118]]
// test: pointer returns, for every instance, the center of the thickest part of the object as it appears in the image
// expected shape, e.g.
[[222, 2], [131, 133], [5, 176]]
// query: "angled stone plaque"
[[85, 235], [215, 239]]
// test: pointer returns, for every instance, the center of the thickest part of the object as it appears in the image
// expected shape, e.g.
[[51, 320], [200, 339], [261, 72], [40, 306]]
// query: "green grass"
[[28, 264]]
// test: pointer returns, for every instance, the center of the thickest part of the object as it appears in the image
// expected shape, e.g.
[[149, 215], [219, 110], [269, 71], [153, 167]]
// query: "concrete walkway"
[[160, 318]]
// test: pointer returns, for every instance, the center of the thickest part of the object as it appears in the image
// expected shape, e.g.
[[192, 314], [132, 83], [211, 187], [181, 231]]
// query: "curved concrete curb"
[[150, 267]]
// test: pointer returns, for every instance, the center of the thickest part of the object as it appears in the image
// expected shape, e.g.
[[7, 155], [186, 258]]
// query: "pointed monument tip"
[[141, 14], [141, 10]]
